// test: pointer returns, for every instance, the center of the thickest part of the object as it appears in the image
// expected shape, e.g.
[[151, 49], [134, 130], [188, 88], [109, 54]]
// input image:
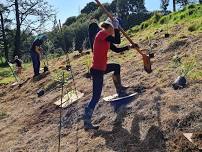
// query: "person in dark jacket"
[[104, 40], [18, 64], [36, 51]]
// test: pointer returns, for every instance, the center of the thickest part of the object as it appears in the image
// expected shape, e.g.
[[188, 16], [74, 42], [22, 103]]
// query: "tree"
[[174, 5], [89, 8], [183, 3], [164, 5], [136, 6], [200, 1], [70, 20], [3, 9], [127, 7], [17, 34], [114, 7], [31, 15]]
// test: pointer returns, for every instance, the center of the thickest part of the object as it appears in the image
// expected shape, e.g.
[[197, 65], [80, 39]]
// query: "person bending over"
[[18, 64], [36, 51]]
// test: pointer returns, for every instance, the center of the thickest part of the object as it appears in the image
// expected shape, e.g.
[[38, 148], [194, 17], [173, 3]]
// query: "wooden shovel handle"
[[120, 28]]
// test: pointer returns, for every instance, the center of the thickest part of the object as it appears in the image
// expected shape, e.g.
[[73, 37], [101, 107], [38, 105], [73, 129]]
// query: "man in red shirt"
[[104, 41]]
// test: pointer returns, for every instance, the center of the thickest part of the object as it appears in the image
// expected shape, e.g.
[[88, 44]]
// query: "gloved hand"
[[135, 46], [115, 23]]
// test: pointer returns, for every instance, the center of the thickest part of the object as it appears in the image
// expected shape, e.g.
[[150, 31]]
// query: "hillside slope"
[[153, 122]]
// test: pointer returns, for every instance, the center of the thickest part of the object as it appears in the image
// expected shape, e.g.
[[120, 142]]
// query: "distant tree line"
[[21, 20]]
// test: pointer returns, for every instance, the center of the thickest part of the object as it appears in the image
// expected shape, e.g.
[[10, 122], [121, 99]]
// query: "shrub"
[[144, 25], [191, 12], [156, 17], [188, 66], [191, 6], [175, 18], [192, 28], [163, 20], [182, 16], [136, 29]]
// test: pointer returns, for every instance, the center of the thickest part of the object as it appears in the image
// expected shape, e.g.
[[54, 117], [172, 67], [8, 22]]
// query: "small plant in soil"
[[58, 75], [176, 61], [188, 66], [3, 115]]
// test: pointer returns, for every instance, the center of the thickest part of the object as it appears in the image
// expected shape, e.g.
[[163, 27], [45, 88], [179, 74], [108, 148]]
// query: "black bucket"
[[179, 83], [45, 69], [68, 67], [40, 92]]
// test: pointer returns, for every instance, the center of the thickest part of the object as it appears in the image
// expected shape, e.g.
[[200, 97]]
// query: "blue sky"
[[67, 8]]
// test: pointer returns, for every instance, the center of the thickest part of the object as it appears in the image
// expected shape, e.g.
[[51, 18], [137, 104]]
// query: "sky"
[[67, 8]]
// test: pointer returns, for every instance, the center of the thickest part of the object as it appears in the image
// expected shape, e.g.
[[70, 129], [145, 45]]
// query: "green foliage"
[[89, 8], [192, 28], [190, 12], [6, 75], [76, 28], [188, 66], [144, 25], [176, 61], [164, 20], [196, 75], [183, 3], [70, 21], [196, 26], [57, 76], [156, 18], [164, 5]]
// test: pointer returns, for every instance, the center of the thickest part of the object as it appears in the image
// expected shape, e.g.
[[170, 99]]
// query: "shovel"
[[145, 57]]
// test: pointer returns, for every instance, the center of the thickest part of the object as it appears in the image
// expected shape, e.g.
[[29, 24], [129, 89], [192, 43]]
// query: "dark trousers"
[[97, 77], [36, 63]]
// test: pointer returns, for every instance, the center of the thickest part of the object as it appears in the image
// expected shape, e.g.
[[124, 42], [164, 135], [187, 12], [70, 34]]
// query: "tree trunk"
[[17, 35], [174, 6], [4, 37]]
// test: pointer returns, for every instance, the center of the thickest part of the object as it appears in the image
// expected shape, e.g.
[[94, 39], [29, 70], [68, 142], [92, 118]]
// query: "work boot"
[[121, 90], [87, 120]]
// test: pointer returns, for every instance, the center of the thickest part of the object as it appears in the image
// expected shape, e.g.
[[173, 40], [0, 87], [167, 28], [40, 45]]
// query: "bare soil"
[[152, 122]]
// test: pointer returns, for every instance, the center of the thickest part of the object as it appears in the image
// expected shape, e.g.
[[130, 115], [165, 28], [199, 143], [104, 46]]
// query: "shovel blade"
[[147, 63]]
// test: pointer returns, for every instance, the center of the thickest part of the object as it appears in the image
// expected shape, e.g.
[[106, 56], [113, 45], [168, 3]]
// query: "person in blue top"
[[36, 51]]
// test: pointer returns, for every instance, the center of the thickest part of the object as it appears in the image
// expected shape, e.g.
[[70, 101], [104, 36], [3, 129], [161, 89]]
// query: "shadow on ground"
[[131, 141]]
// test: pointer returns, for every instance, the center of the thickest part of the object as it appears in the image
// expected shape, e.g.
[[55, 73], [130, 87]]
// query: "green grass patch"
[[196, 75], [191, 68], [190, 17], [6, 76]]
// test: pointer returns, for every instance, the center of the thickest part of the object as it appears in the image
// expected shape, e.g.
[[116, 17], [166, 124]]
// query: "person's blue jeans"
[[36, 63], [97, 77]]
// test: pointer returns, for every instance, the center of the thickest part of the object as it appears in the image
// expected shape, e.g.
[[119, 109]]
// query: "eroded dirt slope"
[[153, 121]]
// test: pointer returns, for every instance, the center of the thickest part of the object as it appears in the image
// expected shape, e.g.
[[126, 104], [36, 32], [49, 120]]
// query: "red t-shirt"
[[100, 50]]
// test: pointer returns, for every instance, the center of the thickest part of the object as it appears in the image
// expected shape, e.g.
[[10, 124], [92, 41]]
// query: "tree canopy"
[[30, 17]]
